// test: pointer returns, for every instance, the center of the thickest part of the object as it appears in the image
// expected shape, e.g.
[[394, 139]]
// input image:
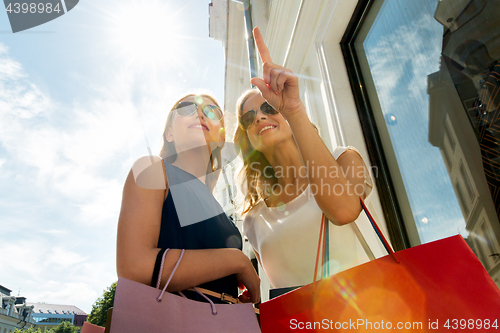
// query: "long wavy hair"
[[169, 154], [251, 177]]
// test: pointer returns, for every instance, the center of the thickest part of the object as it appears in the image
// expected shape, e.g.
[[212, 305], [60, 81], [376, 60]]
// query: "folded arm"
[[138, 231]]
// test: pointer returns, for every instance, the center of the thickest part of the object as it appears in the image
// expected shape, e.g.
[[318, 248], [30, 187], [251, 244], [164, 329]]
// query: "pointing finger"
[[261, 46]]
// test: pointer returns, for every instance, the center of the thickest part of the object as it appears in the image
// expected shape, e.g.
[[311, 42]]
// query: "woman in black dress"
[[168, 203]]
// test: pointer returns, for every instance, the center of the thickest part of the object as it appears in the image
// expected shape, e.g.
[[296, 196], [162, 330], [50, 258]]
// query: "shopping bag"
[[141, 308], [435, 286], [91, 328]]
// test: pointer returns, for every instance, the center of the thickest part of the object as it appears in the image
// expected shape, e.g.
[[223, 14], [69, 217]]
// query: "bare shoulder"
[[350, 156], [149, 173], [143, 195]]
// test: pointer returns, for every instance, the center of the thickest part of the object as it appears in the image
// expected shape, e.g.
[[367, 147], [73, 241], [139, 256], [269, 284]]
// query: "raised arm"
[[280, 87], [138, 231]]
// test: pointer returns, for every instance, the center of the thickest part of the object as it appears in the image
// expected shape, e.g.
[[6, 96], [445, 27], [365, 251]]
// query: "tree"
[[29, 330], [100, 308], [64, 327]]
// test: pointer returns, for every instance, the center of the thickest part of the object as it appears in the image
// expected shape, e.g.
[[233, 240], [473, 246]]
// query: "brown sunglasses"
[[246, 120]]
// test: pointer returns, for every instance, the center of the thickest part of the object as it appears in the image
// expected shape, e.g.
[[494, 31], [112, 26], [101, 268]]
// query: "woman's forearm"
[[333, 192], [201, 266], [196, 267]]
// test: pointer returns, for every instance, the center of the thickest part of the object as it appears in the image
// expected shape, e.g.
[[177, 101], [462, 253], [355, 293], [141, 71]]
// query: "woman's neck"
[[287, 164], [194, 161]]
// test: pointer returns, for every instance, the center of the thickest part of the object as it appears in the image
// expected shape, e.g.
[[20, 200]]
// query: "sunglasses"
[[247, 119], [185, 109]]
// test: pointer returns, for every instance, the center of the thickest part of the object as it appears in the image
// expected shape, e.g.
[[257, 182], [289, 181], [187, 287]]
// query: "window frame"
[[398, 233]]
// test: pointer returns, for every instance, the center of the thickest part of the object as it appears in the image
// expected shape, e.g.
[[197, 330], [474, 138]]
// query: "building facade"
[[395, 80], [15, 313], [47, 316]]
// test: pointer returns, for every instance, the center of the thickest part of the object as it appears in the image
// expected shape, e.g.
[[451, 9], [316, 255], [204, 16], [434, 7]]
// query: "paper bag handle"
[[323, 237], [379, 233]]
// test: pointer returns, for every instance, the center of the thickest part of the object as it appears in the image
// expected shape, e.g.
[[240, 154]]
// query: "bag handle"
[[200, 291], [379, 233], [158, 299], [321, 230], [171, 274], [323, 240]]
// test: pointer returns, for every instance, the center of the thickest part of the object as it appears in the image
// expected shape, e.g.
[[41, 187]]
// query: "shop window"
[[428, 73]]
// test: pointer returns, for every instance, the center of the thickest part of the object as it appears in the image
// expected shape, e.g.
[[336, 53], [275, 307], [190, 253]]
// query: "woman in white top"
[[290, 179]]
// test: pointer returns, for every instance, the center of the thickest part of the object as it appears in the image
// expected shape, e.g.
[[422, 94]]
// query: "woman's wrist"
[[297, 117], [297, 110]]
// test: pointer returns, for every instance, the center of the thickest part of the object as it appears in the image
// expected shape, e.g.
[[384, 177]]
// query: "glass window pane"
[[432, 73]]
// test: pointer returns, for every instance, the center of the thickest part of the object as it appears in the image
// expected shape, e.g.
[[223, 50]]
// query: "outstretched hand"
[[279, 85]]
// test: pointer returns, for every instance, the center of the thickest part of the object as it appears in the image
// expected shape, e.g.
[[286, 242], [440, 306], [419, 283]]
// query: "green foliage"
[[29, 330], [100, 308], [64, 327]]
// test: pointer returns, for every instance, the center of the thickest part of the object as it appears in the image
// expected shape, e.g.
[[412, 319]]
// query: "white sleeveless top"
[[286, 238]]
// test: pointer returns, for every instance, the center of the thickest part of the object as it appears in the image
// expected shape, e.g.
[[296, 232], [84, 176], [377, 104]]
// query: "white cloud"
[[9, 69], [412, 44], [77, 171], [55, 232], [73, 159], [18, 97], [400, 63], [105, 206], [63, 257], [48, 271], [66, 293], [66, 166]]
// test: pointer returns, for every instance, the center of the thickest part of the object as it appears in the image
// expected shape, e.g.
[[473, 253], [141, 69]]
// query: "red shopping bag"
[[438, 286], [91, 328]]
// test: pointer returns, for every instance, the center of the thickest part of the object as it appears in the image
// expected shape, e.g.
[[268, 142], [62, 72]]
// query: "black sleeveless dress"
[[187, 194]]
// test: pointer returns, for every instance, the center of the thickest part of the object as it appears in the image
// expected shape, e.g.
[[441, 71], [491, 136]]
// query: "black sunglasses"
[[185, 109], [247, 119]]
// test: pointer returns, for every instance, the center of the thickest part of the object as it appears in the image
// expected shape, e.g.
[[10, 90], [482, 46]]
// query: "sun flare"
[[147, 33]]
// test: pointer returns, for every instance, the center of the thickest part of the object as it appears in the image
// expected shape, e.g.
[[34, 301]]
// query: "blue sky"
[[403, 47], [81, 97]]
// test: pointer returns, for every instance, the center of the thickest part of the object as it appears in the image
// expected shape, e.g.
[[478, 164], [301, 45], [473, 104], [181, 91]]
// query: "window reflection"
[[475, 72], [470, 62], [432, 72], [402, 47]]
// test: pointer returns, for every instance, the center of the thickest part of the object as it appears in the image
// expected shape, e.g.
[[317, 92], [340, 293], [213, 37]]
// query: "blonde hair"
[[169, 154], [251, 179]]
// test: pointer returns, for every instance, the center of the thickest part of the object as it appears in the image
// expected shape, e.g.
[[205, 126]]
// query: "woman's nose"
[[200, 113], [259, 116]]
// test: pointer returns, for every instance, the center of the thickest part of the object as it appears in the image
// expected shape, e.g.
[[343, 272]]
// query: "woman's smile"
[[199, 126], [266, 128]]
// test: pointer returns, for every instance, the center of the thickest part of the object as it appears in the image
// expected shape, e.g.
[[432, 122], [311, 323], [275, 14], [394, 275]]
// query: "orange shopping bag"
[[438, 286]]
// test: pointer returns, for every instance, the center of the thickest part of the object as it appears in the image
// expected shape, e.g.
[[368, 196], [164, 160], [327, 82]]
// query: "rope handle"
[[201, 291], [171, 274], [379, 233], [322, 234], [323, 240]]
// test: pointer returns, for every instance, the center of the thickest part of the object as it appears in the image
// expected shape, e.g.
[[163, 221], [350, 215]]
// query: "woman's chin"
[[268, 141], [194, 142]]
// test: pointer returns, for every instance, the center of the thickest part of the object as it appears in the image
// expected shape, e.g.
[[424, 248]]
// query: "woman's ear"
[[168, 135]]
